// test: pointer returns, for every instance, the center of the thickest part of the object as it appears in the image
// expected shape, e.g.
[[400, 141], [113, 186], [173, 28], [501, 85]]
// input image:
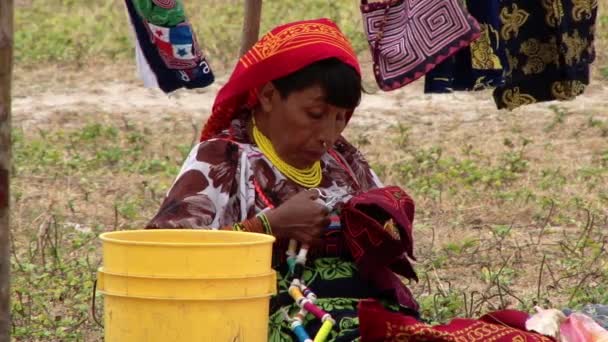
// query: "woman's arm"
[[205, 193]]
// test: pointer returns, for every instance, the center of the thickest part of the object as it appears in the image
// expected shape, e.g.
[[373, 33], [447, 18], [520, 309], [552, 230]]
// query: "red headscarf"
[[279, 53]]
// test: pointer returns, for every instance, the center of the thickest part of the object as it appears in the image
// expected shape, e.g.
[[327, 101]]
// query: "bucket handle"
[[93, 311]]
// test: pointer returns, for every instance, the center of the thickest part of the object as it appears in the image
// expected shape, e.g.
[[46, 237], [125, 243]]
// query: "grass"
[[511, 212], [87, 180], [495, 227], [498, 227]]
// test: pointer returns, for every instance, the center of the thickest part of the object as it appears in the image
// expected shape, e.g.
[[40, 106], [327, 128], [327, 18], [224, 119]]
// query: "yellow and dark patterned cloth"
[[478, 66], [549, 45], [529, 51]]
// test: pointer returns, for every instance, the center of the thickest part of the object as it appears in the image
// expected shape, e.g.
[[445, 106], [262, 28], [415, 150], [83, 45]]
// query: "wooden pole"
[[6, 64], [251, 24]]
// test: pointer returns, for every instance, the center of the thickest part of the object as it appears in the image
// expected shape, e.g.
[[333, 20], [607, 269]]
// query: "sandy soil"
[[119, 91]]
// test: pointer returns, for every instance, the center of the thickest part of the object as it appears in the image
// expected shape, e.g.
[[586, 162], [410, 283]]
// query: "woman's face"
[[300, 124]]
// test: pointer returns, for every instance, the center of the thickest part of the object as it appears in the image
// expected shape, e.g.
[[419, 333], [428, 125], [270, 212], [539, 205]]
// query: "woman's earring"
[[324, 144]]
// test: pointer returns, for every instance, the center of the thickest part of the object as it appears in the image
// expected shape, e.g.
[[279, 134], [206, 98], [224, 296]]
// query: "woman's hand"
[[301, 218]]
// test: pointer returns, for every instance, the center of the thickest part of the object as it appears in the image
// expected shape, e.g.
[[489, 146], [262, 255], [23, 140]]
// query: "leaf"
[[334, 268], [349, 323]]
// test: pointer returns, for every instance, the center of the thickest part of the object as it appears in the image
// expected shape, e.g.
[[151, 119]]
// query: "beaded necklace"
[[301, 294], [304, 298], [308, 178]]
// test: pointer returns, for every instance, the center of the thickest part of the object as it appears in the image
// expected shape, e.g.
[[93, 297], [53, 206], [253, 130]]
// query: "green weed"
[[52, 284], [534, 218]]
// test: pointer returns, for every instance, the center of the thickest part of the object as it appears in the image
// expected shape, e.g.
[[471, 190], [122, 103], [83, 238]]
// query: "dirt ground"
[[50, 97], [42, 96]]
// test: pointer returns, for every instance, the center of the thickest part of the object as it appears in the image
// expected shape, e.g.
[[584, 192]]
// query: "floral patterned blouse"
[[216, 187]]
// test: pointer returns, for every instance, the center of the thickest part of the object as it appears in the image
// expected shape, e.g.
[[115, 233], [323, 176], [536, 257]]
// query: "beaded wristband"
[[238, 227], [265, 223], [253, 225]]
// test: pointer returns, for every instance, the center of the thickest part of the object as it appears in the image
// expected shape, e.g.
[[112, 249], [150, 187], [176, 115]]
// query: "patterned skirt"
[[338, 286]]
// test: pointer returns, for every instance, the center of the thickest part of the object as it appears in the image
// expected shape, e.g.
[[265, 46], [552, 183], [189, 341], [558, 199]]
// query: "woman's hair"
[[340, 82]]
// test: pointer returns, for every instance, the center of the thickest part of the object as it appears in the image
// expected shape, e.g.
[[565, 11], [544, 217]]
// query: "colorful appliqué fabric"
[[378, 324], [415, 36], [478, 66], [168, 54], [339, 286], [378, 232], [549, 46]]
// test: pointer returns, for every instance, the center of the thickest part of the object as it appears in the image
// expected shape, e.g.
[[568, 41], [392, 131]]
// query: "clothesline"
[[528, 52]]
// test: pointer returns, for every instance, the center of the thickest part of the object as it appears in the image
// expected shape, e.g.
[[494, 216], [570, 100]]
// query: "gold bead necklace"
[[308, 178]]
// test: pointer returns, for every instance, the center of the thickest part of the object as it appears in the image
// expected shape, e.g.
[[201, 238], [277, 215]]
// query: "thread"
[[334, 222], [291, 249], [324, 331], [301, 315], [301, 258], [313, 309], [307, 292], [291, 264], [296, 282], [265, 223], [296, 294], [300, 332]]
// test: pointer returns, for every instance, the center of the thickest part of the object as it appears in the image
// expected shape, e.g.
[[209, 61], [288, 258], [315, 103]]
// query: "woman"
[[271, 148]]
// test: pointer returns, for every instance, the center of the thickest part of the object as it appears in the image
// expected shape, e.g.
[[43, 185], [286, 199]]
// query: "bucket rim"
[[227, 299], [164, 277], [107, 237], [185, 289]]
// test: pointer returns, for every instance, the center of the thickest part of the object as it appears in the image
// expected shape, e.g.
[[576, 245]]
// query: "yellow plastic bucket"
[[186, 285]]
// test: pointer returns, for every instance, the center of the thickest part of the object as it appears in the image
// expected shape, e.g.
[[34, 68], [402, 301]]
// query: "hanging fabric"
[[168, 55], [478, 66], [408, 38], [549, 46]]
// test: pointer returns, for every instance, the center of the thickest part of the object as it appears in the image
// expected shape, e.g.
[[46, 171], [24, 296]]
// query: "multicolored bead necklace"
[[304, 298], [301, 294]]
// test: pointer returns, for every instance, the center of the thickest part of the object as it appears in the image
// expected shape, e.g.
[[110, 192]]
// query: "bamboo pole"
[[251, 24], [6, 61]]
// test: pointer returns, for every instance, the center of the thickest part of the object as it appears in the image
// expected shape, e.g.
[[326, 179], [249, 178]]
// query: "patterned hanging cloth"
[[408, 38], [550, 46], [167, 53], [479, 65], [529, 51]]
